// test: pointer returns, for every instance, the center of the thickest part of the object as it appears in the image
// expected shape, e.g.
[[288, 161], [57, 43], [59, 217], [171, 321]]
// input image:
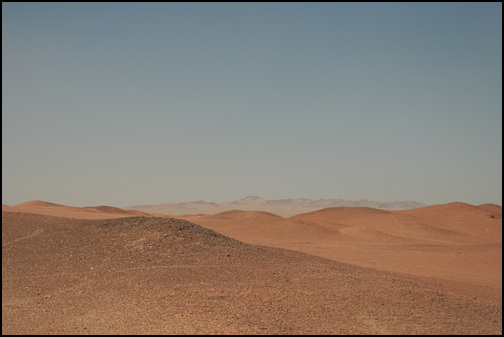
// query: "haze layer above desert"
[[283, 207], [337, 270]]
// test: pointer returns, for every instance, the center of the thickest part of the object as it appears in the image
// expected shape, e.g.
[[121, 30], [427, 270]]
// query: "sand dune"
[[495, 210], [93, 212], [140, 275], [434, 241], [483, 222], [453, 241], [457, 246], [457, 212], [398, 224], [273, 231], [189, 216], [38, 203], [238, 214], [139, 213], [106, 209]]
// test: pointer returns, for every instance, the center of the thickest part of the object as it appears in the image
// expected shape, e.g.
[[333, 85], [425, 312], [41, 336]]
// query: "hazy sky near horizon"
[[140, 103]]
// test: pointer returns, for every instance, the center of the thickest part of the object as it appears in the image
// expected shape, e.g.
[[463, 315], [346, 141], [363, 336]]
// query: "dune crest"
[[341, 212], [484, 222], [238, 214], [459, 209], [38, 203], [90, 212], [105, 209]]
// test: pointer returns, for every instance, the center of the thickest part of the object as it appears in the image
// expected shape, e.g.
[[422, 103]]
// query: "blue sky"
[[138, 103]]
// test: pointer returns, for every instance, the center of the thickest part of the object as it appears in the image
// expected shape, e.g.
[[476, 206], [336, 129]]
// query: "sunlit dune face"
[[96, 212]]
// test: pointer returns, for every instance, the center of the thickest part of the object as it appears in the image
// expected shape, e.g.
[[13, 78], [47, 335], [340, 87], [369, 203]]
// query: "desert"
[[260, 168], [338, 270]]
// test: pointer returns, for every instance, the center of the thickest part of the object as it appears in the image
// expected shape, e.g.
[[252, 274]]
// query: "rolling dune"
[[399, 224], [146, 275], [455, 241], [238, 214], [37, 203], [465, 247], [483, 222], [49, 208], [267, 230]]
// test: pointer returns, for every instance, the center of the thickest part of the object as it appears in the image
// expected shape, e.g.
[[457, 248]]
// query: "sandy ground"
[[433, 270], [456, 242]]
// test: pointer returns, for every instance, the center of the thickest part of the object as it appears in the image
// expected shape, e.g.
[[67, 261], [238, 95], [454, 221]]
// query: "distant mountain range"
[[282, 207]]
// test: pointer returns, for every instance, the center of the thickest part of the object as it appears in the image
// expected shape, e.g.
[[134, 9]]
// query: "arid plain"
[[338, 270]]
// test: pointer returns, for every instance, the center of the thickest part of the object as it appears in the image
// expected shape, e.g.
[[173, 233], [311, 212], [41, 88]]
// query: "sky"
[[124, 104]]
